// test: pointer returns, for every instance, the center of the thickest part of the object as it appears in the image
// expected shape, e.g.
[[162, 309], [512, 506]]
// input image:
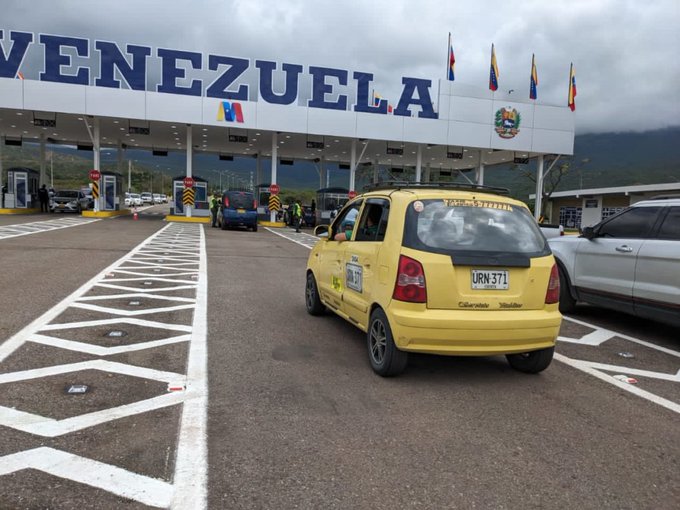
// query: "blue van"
[[238, 209]]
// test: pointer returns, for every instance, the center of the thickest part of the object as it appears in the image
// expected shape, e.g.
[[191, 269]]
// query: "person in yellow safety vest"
[[297, 215], [214, 207]]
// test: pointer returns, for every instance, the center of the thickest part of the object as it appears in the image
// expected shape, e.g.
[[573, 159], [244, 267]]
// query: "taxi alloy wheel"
[[531, 362], [312, 300], [386, 360]]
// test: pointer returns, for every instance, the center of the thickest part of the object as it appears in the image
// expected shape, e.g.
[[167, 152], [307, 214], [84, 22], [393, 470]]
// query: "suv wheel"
[[386, 360], [223, 224], [567, 302], [531, 362], [312, 301]]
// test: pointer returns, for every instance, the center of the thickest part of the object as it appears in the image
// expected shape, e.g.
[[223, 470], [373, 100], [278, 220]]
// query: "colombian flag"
[[493, 73], [572, 89], [451, 61], [534, 79]]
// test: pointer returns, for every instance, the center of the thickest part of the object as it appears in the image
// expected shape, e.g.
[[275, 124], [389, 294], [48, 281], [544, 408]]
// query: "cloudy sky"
[[625, 52]]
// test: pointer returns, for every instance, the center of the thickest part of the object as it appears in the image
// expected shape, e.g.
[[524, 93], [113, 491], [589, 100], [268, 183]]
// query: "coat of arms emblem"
[[507, 122]]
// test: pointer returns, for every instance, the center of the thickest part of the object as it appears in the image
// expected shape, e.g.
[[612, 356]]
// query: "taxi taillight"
[[226, 201], [410, 284], [553, 293], [254, 204]]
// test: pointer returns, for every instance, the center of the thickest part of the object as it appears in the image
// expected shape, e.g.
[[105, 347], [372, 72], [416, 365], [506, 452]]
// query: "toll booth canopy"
[[201, 205], [22, 188], [328, 202]]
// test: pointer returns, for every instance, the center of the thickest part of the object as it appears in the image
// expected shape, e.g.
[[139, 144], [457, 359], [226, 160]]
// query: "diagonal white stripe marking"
[[104, 322], [130, 313], [98, 350], [146, 490]]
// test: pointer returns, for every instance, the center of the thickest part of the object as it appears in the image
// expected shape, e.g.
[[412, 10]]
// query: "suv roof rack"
[[667, 196], [397, 185]]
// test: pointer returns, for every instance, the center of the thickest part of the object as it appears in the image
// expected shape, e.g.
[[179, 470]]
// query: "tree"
[[554, 177]]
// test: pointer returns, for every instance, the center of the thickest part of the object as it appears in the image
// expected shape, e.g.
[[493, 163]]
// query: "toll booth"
[[22, 189], [201, 202], [328, 202], [262, 193], [111, 191]]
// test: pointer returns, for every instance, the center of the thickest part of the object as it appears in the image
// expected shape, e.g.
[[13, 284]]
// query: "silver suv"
[[629, 262]]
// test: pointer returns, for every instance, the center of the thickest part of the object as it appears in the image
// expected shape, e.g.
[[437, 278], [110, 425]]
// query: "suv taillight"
[[254, 204], [410, 284], [226, 201], [553, 293]]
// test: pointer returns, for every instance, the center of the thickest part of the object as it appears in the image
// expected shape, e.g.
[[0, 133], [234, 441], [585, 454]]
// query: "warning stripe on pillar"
[[95, 190], [188, 196], [274, 203]]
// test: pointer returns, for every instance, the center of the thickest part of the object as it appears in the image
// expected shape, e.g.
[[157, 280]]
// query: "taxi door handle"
[[624, 249]]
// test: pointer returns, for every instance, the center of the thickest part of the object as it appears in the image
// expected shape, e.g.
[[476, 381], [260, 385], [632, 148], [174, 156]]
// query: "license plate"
[[61, 206], [240, 211], [354, 277], [486, 279]]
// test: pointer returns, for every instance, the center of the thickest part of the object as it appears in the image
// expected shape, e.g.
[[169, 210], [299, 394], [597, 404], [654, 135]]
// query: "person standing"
[[44, 197], [214, 208], [297, 215]]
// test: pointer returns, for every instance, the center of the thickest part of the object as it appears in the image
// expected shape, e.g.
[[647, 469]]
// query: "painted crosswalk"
[[144, 299], [24, 229]]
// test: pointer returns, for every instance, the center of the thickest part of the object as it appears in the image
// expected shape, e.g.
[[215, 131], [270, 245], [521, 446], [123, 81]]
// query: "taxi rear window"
[[467, 229]]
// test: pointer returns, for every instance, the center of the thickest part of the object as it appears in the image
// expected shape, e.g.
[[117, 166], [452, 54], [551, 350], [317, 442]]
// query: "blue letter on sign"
[[54, 60], [320, 88], [218, 88], [363, 80], [9, 66], [134, 75], [171, 72], [423, 88], [266, 87]]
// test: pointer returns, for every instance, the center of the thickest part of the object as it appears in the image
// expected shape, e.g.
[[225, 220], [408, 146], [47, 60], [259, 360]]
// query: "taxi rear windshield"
[[472, 229]]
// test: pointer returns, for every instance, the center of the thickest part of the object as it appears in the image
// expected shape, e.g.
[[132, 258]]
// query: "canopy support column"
[[353, 164], [190, 160], [97, 161], [275, 160], [419, 163], [43, 160]]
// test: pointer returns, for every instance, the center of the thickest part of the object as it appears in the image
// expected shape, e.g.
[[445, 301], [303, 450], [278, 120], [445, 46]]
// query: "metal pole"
[[2, 195], [129, 176], [427, 172], [43, 178], [275, 156], [539, 188], [51, 169]]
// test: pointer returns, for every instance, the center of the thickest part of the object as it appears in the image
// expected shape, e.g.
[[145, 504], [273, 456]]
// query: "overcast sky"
[[625, 52]]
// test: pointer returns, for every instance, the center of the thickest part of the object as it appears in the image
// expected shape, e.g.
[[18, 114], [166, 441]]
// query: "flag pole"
[[448, 57]]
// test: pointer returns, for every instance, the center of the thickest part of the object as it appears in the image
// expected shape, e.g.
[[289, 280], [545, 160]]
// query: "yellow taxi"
[[445, 269]]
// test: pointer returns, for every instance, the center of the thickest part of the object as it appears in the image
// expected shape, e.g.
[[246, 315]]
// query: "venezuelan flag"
[[451, 61], [572, 89], [493, 72], [534, 79]]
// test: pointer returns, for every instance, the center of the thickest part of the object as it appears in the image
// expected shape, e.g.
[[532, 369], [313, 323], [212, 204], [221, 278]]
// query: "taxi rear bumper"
[[479, 333]]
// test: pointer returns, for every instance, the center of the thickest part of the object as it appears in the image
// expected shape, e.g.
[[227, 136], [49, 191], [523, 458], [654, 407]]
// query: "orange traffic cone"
[[134, 215]]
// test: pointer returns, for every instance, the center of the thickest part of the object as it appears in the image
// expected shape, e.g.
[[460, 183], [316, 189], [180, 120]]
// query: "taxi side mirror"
[[321, 231]]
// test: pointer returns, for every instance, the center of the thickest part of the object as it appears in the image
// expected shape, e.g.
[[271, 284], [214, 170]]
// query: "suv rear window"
[[240, 200], [474, 231]]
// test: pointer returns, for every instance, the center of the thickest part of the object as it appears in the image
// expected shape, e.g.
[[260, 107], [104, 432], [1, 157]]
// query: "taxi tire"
[[567, 302], [531, 362], [313, 302], [393, 361], [254, 228]]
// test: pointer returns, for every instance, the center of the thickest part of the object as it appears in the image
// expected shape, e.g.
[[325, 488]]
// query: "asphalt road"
[[297, 419]]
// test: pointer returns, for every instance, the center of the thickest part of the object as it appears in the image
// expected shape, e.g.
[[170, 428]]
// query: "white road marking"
[[190, 478], [144, 489], [301, 238], [601, 335], [36, 227]]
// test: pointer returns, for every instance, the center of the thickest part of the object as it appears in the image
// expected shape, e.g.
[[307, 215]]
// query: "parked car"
[[238, 209], [157, 199], [551, 230], [439, 269], [70, 200], [133, 199], [629, 262], [147, 198], [164, 198]]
